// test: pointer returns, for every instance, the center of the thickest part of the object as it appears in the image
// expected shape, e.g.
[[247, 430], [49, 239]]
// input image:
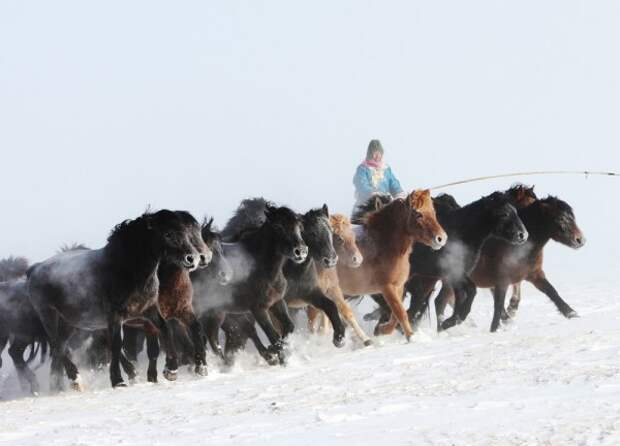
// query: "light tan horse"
[[386, 240], [349, 255]]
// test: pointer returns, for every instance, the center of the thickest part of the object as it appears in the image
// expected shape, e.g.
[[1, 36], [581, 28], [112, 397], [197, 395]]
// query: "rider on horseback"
[[373, 176]]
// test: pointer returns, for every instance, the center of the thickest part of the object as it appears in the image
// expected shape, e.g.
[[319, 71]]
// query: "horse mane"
[[445, 203], [339, 223], [372, 204], [13, 268], [249, 215], [559, 204], [66, 247]]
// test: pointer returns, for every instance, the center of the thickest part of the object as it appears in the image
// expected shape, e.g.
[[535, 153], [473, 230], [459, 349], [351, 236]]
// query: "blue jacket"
[[368, 181]]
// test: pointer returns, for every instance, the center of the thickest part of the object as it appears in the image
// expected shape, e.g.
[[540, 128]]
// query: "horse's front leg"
[[200, 354], [541, 282], [515, 300], [499, 297], [264, 321], [212, 323], [25, 374], [319, 300], [280, 311], [116, 344]]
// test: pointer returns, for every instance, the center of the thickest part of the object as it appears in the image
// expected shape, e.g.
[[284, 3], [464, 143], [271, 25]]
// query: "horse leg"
[[262, 318], [212, 323], [441, 301], [312, 313], [200, 354], [541, 282], [131, 337], [50, 320], [460, 297], [515, 300], [470, 291], [172, 364], [280, 311], [129, 368], [347, 313], [26, 376], [394, 295], [420, 291], [499, 297], [4, 339], [319, 300], [116, 345], [384, 311], [152, 351]]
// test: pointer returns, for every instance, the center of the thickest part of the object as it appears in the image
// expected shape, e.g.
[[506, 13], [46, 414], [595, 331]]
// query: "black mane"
[[374, 203], [249, 215]]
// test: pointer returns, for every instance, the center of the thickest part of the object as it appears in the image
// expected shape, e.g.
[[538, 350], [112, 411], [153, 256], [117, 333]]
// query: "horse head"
[[344, 241]]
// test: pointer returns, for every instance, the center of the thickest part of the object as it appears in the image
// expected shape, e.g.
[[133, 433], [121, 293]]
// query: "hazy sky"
[[106, 107]]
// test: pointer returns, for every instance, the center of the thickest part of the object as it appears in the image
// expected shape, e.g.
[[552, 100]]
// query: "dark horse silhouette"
[[257, 253], [19, 324], [177, 287], [468, 228], [305, 286], [502, 264], [100, 289]]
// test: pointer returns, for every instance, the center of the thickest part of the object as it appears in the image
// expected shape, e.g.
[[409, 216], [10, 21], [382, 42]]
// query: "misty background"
[[108, 107]]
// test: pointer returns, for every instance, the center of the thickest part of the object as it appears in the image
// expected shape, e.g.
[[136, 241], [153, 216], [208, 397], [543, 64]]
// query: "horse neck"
[[470, 224], [171, 273], [134, 264], [390, 233], [260, 245], [536, 224]]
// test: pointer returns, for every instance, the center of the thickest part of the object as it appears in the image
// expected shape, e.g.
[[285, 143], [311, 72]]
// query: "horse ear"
[[325, 210], [208, 223]]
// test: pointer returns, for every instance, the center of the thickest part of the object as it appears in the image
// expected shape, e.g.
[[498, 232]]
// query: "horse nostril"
[[189, 259], [297, 252], [439, 239], [521, 235]]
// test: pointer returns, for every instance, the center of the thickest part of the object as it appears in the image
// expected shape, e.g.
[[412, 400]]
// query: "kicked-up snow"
[[541, 380]]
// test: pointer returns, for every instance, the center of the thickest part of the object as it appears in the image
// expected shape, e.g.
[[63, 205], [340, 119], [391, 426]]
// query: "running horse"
[[386, 240]]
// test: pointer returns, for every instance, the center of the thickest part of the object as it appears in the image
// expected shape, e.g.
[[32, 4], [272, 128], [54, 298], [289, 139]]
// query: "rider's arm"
[[395, 188], [362, 182]]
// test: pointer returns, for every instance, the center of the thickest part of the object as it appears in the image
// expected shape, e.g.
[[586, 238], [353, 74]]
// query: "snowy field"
[[542, 380]]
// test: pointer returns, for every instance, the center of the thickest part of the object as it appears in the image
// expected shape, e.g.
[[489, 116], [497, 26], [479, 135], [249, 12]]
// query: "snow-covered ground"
[[542, 380]]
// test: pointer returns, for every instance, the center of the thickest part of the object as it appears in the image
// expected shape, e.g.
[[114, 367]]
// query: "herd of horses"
[[165, 280]]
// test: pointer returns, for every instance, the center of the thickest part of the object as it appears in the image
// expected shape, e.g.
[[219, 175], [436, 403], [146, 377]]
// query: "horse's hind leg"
[[133, 341], [50, 320], [441, 302], [540, 281], [394, 295], [26, 376], [4, 339], [152, 351]]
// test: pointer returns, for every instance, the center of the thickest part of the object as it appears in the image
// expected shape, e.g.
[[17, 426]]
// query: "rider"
[[373, 176]]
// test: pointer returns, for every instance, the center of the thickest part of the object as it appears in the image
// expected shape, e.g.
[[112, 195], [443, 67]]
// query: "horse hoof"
[[339, 341], [571, 314], [201, 370], [119, 385], [152, 379], [368, 343], [170, 375]]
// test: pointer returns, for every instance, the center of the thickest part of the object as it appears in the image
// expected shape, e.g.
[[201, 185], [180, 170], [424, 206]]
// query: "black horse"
[[304, 286], [258, 253], [19, 324], [191, 347], [467, 227], [502, 264], [100, 289]]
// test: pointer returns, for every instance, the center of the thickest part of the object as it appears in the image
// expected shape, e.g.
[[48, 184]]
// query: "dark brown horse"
[[386, 240]]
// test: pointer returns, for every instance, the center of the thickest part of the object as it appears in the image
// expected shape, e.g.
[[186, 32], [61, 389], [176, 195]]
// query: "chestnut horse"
[[348, 254], [386, 240]]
